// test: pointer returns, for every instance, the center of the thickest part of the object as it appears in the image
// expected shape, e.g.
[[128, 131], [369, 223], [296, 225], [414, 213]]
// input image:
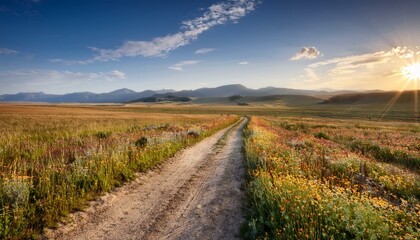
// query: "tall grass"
[[385, 154], [52, 162], [393, 143]]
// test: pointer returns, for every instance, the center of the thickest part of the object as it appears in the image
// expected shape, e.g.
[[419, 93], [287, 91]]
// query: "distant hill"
[[285, 100], [125, 95], [165, 98], [27, 97], [238, 89], [288, 100], [163, 91], [117, 96], [372, 98], [222, 91]]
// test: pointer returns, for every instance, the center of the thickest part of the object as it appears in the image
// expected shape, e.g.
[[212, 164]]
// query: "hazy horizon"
[[192, 89], [60, 47]]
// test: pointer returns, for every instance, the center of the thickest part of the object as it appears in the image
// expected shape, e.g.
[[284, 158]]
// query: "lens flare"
[[411, 72]]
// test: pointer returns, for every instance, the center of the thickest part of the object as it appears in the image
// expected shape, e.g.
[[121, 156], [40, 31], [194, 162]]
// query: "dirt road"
[[194, 195]]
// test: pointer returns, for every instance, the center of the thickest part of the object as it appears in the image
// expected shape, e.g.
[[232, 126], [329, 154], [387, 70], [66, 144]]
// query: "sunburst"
[[411, 72]]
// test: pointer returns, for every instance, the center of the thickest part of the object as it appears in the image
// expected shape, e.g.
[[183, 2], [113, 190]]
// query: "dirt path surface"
[[194, 195]]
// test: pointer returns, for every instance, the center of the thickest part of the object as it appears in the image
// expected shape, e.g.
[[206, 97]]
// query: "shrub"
[[193, 133], [102, 135], [141, 142], [322, 135]]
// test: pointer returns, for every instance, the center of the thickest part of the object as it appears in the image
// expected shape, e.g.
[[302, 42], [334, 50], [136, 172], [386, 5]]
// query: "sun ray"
[[393, 100], [416, 99], [412, 74]]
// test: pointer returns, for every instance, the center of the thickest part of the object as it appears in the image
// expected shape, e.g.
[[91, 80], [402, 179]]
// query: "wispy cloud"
[[116, 74], [68, 62], [306, 53], [401, 52], [41, 76], [243, 63], [217, 14], [360, 69], [7, 51], [20, 7], [158, 47], [349, 64], [179, 66], [204, 50], [311, 75]]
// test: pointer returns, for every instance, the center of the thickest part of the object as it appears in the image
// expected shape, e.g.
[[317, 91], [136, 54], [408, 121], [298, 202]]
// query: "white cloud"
[[306, 53], [356, 68], [179, 66], [158, 47], [41, 76], [243, 63], [7, 51], [216, 14], [401, 52], [117, 74], [344, 65], [204, 50], [67, 62]]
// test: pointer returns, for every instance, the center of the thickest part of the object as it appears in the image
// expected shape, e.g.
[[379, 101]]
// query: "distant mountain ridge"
[[117, 96], [238, 89], [125, 95]]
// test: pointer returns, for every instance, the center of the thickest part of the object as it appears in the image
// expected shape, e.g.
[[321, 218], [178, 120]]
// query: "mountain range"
[[127, 95]]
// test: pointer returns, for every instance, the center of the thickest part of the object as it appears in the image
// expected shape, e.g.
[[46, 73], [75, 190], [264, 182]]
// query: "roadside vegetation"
[[332, 179], [54, 159]]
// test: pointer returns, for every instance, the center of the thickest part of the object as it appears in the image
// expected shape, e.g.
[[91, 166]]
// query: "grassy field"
[[311, 178], [55, 158], [290, 106], [314, 171]]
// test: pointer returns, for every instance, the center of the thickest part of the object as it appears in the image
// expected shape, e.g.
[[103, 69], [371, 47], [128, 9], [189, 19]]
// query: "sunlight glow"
[[411, 72]]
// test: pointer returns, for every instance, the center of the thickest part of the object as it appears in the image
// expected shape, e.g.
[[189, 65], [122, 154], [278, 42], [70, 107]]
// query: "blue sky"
[[66, 46]]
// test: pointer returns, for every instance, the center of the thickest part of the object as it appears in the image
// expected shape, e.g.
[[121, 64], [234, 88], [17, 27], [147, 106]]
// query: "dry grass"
[[53, 158]]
